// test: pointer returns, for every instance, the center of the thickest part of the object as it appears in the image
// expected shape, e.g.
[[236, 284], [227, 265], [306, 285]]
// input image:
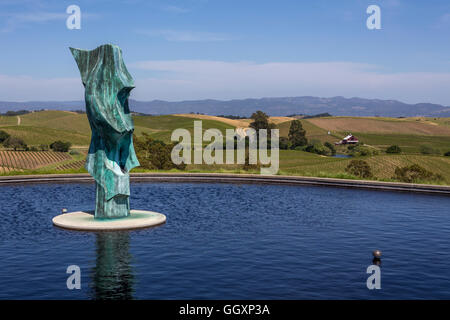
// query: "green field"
[[409, 143], [410, 134], [383, 165], [313, 132], [161, 127], [45, 127]]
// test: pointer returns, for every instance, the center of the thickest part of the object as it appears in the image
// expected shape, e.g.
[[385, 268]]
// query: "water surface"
[[228, 241], [342, 156]]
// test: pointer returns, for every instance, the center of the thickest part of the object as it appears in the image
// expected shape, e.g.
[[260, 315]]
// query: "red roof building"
[[350, 139]]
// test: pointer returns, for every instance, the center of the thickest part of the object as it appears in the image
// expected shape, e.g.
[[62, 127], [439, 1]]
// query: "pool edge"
[[240, 178]]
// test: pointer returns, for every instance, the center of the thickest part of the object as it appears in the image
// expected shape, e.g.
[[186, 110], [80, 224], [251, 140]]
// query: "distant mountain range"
[[338, 106]]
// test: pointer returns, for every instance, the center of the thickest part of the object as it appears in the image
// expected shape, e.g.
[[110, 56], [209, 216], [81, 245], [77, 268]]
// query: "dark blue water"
[[342, 156], [227, 241]]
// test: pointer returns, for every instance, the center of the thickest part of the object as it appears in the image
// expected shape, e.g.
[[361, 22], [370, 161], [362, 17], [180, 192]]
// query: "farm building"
[[350, 139]]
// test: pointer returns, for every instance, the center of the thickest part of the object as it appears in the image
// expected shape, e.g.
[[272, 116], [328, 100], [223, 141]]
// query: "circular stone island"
[[84, 221]]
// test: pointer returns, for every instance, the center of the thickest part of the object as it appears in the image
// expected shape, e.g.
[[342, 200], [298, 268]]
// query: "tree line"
[[17, 143]]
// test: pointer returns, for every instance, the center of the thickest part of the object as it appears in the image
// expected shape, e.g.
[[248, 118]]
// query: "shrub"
[[366, 151], [60, 146], [317, 148], [247, 143], [33, 148], [447, 154], [394, 149], [247, 166], [351, 147], [43, 147], [233, 141], [284, 143], [74, 152], [16, 143], [3, 136], [361, 150], [359, 168], [415, 173], [424, 149]]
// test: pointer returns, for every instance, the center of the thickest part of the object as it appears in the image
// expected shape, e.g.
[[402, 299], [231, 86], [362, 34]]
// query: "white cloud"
[[390, 3], [442, 22], [26, 88], [199, 79], [202, 79], [175, 9], [14, 21], [185, 35], [38, 16]]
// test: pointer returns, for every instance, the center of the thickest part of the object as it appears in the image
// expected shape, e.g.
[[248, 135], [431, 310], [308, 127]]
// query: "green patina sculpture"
[[111, 156]]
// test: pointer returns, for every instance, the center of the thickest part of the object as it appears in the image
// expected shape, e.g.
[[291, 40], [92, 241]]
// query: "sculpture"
[[111, 156]]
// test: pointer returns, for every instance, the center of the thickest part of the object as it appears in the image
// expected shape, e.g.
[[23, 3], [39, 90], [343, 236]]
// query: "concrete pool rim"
[[239, 178], [84, 221]]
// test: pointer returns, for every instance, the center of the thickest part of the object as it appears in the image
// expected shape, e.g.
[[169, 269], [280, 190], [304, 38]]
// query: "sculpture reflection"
[[112, 276]]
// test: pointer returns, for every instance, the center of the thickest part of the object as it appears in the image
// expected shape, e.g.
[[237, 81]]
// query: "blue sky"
[[226, 49]]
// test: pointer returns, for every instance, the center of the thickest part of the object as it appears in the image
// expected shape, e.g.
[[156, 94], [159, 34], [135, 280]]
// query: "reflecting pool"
[[228, 241]]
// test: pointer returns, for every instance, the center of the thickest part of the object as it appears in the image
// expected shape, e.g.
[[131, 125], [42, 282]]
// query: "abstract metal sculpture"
[[111, 156]]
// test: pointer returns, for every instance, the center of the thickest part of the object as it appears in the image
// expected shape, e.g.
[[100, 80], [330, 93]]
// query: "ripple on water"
[[228, 241]]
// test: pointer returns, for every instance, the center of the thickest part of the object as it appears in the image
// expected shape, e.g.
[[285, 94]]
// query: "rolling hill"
[[281, 106], [44, 127], [411, 134]]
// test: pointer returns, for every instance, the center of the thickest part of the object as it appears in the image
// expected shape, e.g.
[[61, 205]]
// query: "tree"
[[16, 143], [394, 149], [3, 136], [331, 147], [60, 146], [155, 154], [447, 154], [261, 121], [297, 135], [359, 168]]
